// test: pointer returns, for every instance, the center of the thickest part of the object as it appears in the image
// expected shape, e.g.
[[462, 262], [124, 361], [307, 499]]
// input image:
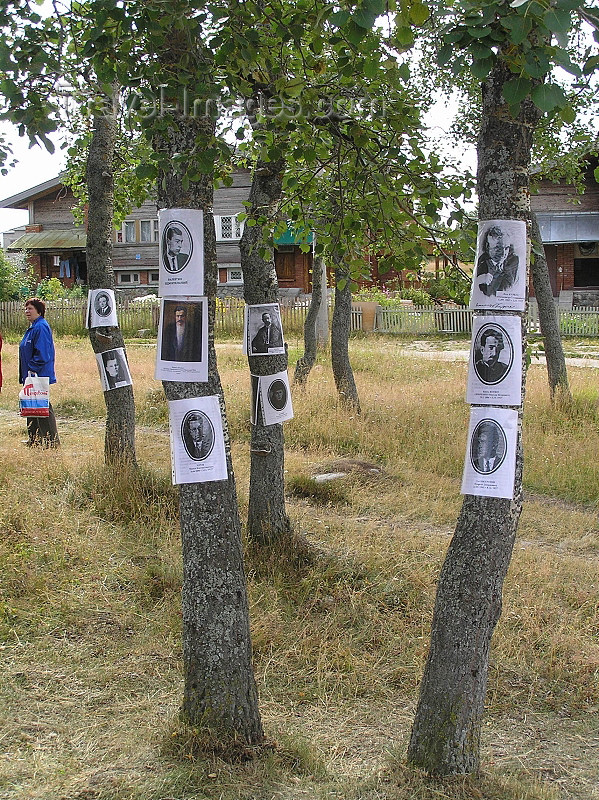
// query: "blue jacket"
[[36, 351]]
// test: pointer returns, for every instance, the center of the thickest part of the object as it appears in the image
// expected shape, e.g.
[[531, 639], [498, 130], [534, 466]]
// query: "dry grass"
[[90, 609]]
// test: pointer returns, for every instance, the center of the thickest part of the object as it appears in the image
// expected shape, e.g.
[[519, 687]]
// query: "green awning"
[[50, 240], [294, 237]]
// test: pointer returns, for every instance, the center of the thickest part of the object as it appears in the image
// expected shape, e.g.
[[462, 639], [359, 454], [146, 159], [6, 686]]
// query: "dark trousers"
[[43, 430]]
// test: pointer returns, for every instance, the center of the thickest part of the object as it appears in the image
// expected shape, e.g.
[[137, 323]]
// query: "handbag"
[[34, 397]]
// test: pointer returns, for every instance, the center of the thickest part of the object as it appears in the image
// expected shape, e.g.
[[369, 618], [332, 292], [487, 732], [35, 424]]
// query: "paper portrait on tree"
[[197, 440], [113, 369], [272, 393], [495, 370], [490, 464], [181, 252], [499, 278], [101, 309], [182, 348], [262, 330]]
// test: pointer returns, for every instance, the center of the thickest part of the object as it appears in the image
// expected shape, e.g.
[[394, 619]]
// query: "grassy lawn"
[[90, 581]]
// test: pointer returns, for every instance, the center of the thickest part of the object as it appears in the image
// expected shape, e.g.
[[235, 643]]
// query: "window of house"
[[129, 277], [154, 277], [148, 230], [128, 231], [234, 274], [228, 227]]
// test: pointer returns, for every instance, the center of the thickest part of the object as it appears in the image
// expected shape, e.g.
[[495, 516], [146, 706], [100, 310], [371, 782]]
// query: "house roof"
[[51, 240], [22, 199]]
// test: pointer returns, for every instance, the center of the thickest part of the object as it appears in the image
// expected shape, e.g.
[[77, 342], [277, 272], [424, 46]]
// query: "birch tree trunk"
[[220, 692], [445, 735], [559, 388], [306, 362], [341, 324], [119, 442], [267, 517]]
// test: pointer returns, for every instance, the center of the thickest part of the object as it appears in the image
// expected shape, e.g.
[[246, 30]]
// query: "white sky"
[[35, 166]]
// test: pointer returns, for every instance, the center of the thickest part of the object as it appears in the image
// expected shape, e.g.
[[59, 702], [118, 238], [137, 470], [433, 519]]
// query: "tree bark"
[[341, 324], [267, 517], [306, 362], [220, 693], [445, 735], [119, 442], [559, 388]]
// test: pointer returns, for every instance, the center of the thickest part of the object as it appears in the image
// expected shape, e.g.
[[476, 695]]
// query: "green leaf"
[[419, 13], [518, 27], [146, 171], [339, 18], [596, 174], [548, 96], [591, 65], [481, 68], [557, 20], [568, 114], [363, 18], [444, 55], [517, 3], [515, 90]]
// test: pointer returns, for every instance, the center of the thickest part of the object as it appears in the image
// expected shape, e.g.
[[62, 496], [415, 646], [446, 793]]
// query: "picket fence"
[[427, 320], [67, 317]]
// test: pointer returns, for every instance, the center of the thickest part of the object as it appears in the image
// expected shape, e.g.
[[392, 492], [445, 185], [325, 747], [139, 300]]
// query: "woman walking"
[[36, 356]]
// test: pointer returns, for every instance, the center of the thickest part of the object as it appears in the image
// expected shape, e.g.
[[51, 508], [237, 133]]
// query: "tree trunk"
[[446, 731], [119, 443], [559, 388], [306, 362], [220, 692], [267, 518], [342, 370]]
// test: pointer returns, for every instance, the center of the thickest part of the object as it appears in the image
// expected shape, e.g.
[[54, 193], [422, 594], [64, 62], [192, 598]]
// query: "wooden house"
[[569, 224], [57, 245]]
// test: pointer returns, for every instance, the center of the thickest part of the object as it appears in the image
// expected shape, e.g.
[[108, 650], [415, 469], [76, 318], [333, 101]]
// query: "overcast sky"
[[35, 166]]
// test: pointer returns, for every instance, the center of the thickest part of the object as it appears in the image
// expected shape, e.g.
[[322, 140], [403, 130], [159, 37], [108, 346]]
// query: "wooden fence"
[[67, 317], [422, 320]]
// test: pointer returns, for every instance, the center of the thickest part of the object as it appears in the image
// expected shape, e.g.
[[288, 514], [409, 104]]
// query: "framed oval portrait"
[[488, 446], [177, 246], [493, 354], [277, 395], [197, 435]]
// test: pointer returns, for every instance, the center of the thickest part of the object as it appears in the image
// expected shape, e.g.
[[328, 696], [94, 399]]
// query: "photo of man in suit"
[[181, 338], [267, 337], [488, 447], [497, 266], [487, 365], [174, 237], [116, 370], [197, 434], [102, 305]]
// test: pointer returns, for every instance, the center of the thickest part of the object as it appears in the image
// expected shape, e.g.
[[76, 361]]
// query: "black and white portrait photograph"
[[113, 369], [197, 441], [275, 398], [181, 244], [495, 370], [197, 434], [499, 279], [490, 463], [263, 334], [182, 352], [101, 308]]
